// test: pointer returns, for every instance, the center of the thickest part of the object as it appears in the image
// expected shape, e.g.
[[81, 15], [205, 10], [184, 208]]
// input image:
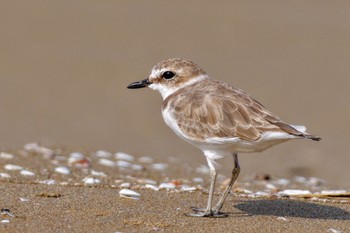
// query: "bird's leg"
[[208, 212], [235, 173]]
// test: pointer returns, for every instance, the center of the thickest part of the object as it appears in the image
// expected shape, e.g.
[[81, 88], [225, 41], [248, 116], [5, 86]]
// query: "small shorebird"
[[217, 118]]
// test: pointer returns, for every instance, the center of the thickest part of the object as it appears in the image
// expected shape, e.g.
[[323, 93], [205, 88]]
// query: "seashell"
[[124, 156], [145, 159], [106, 162], [159, 166], [62, 170], [96, 173], [128, 193], [4, 175], [47, 182], [76, 155], [151, 186], [123, 164], [5, 155], [103, 154], [125, 185], [27, 173], [282, 182], [137, 167], [187, 188], [13, 167], [167, 186], [91, 181], [198, 180], [291, 192]]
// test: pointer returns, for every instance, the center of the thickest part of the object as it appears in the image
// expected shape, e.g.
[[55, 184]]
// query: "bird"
[[219, 119]]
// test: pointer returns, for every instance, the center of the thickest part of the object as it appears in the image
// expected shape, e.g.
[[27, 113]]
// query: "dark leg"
[[235, 173]]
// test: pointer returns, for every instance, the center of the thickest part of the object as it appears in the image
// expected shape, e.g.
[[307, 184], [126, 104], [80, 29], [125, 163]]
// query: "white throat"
[[165, 90]]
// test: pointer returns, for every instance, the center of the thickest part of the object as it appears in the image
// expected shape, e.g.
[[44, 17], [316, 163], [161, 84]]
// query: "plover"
[[219, 119]]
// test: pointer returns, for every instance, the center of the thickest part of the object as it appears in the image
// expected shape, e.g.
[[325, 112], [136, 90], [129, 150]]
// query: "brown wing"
[[230, 112]]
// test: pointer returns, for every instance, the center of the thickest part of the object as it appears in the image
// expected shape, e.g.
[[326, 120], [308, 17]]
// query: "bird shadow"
[[292, 208]]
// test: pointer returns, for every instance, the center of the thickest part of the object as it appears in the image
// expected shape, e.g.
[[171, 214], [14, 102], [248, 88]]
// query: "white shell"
[[47, 182], [91, 181], [145, 159], [5, 155], [27, 173], [124, 156], [76, 155], [13, 167], [151, 186], [4, 175], [159, 166], [96, 173], [106, 162], [291, 192], [103, 154], [123, 164], [167, 186], [128, 193], [62, 170]]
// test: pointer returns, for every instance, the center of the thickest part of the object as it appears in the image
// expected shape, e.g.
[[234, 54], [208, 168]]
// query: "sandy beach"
[[49, 190], [66, 115]]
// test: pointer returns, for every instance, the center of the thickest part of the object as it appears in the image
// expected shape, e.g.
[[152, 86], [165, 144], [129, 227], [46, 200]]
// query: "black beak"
[[139, 84]]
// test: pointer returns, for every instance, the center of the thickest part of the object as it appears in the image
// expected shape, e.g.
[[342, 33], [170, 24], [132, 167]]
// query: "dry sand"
[[49, 201]]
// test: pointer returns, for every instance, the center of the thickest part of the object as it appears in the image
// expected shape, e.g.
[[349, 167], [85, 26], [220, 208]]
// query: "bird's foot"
[[200, 212]]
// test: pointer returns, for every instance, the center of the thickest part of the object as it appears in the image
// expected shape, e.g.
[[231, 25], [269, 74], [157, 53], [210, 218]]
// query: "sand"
[[43, 199]]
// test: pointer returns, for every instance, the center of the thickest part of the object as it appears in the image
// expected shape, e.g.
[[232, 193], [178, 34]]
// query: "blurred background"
[[65, 65]]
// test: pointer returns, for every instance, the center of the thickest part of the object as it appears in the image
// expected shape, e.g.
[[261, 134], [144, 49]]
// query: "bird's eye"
[[168, 75]]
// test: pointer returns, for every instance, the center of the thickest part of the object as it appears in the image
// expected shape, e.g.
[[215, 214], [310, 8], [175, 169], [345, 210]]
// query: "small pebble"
[[128, 193], [124, 156], [5, 221], [27, 173], [62, 170], [13, 167], [282, 218], [5, 155]]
